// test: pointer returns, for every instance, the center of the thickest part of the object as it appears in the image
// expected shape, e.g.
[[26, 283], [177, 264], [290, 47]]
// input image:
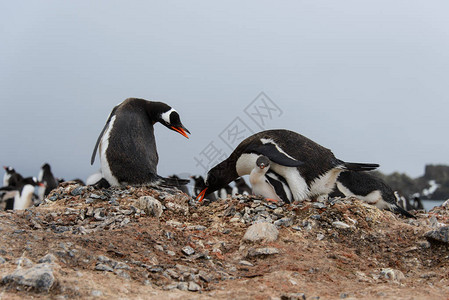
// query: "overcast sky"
[[367, 79]]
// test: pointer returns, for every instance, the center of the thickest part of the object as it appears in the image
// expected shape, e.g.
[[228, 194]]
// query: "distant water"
[[429, 204]]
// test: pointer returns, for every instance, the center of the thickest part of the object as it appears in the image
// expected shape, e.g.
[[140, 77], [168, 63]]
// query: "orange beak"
[[180, 130], [201, 195], [41, 184]]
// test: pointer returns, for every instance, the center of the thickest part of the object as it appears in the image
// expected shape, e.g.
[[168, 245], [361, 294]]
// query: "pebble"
[[103, 267], [96, 293], [76, 191], [392, 274], [49, 258], [187, 250], [262, 251], [319, 205], [340, 225], [246, 263], [193, 287], [262, 231], [2, 260], [284, 222], [320, 236]]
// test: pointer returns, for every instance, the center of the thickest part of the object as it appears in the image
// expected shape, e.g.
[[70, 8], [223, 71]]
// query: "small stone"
[[262, 231], [193, 287], [319, 205], [2, 260], [297, 228], [183, 286], [103, 259], [284, 222], [76, 191], [94, 196], [99, 214], [171, 253], [49, 258], [340, 225], [246, 263], [278, 211], [151, 206], [103, 267], [262, 252], [320, 236], [424, 244], [188, 250], [440, 235], [392, 274]]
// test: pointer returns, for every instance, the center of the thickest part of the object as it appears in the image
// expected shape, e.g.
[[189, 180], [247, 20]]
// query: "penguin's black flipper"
[[273, 153], [92, 159], [397, 209], [360, 166]]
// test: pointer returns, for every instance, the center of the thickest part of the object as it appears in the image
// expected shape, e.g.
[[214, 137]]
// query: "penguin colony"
[[282, 165]]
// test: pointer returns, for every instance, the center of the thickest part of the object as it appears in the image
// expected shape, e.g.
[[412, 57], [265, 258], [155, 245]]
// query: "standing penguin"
[[127, 146], [199, 185], [20, 196], [268, 185], [11, 177], [369, 189], [309, 169], [46, 177]]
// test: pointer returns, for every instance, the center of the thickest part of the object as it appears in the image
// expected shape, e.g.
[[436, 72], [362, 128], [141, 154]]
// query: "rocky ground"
[[153, 242]]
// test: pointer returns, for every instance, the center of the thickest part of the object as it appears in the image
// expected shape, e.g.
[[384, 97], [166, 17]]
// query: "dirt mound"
[[110, 243]]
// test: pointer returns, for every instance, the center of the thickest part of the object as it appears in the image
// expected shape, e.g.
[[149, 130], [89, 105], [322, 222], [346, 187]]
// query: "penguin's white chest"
[[103, 147], [24, 200], [6, 178], [260, 184]]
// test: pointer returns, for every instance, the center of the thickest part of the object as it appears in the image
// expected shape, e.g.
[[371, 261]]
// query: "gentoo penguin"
[[369, 189], [11, 177], [266, 185], [309, 169], [21, 196], [127, 146], [242, 187], [46, 177], [200, 185]]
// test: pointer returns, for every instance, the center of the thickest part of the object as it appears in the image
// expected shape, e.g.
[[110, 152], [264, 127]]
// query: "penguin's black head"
[[8, 169], [263, 162], [169, 117], [219, 177], [46, 167]]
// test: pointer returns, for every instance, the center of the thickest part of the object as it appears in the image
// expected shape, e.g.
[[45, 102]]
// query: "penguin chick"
[[266, 184]]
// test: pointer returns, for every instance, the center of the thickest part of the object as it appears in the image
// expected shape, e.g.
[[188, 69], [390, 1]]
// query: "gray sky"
[[367, 79]]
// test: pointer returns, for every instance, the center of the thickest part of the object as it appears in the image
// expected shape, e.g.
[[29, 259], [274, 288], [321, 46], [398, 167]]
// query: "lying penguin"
[[127, 147], [369, 189], [309, 169], [268, 185]]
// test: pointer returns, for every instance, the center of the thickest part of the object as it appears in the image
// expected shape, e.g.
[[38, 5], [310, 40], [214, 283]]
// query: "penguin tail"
[[400, 210], [173, 181], [359, 166]]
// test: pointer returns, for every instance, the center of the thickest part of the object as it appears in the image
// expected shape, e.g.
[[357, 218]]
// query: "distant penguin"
[[11, 177], [199, 185], [46, 177], [127, 147], [309, 169], [268, 185], [20, 196], [369, 189], [242, 187]]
